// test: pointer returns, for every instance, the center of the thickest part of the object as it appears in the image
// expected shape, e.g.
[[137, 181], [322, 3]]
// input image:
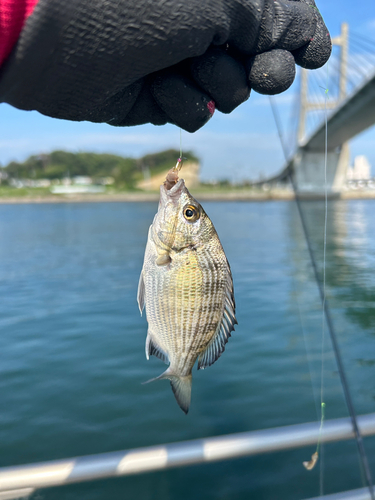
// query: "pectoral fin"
[[163, 259], [141, 293]]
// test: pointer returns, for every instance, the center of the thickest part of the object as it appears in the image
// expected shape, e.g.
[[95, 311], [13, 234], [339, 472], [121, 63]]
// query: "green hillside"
[[125, 171]]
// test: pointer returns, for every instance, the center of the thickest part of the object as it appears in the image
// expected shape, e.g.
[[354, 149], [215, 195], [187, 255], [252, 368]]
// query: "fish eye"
[[191, 213]]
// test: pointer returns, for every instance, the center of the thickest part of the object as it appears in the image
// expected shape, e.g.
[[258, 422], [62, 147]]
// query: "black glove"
[[128, 62]]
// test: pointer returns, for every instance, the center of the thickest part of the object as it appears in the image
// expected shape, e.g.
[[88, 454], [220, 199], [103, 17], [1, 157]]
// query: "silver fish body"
[[186, 286]]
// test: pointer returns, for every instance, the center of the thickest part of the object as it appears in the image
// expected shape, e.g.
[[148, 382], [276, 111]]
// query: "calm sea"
[[72, 346]]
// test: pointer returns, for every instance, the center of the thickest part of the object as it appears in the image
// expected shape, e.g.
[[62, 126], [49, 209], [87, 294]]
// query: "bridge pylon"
[[308, 165]]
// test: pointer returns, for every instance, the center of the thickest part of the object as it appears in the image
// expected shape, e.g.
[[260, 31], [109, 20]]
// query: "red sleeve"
[[13, 14]]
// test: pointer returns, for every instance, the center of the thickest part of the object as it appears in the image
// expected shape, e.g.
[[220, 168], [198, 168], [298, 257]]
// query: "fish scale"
[[187, 289]]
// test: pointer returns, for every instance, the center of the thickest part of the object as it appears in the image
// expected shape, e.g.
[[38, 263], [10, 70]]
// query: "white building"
[[361, 171]]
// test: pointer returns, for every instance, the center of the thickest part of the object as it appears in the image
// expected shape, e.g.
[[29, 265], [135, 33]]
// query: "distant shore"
[[135, 197]]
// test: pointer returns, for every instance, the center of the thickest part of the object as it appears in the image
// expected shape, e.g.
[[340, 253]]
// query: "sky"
[[238, 146]]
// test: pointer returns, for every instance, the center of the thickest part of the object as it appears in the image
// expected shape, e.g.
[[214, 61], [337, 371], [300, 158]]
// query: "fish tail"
[[181, 387]]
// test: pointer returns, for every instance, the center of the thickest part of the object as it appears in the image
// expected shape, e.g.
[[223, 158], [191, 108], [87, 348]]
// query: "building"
[[361, 171]]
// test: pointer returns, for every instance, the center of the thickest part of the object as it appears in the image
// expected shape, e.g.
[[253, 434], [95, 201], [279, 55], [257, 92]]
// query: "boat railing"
[[21, 481]]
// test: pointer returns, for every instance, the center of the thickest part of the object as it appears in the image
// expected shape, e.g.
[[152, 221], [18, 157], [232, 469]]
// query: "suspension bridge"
[[340, 97]]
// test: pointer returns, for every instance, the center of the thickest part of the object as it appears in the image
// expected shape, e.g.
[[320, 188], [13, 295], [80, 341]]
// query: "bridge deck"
[[354, 115]]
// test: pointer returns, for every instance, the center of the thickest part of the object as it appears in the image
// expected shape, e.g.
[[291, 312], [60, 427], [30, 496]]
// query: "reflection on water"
[[350, 256], [72, 345], [350, 284]]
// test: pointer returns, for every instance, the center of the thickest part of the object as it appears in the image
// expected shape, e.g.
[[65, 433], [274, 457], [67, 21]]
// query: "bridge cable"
[[362, 50], [353, 71], [327, 314], [356, 67], [366, 56], [354, 35]]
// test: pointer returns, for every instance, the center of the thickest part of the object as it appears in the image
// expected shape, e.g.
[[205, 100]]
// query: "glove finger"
[[284, 24], [145, 110], [317, 52], [287, 24], [222, 77], [271, 72], [111, 109], [181, 100]]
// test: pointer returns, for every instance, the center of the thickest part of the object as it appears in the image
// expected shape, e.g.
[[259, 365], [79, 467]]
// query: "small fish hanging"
[[186, 287]]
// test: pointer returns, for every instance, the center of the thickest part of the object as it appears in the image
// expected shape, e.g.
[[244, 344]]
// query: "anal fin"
[[152, 349]]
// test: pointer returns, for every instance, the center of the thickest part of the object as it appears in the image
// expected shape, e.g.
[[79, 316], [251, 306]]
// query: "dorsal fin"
[[152, 349], [217, 345]]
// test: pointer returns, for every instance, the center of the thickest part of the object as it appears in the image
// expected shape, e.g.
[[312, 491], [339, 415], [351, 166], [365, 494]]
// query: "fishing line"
[[279, 127], [283, 145], [310, 464], [181, 159], [337, 353], [307, 349], [327, 316], [322, 403], [293, 124]]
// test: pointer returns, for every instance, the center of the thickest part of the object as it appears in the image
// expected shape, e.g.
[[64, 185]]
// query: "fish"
[[186, 288]]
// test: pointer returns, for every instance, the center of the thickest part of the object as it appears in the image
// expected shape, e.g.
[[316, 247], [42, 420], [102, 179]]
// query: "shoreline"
[[278, 195], [144, 197]]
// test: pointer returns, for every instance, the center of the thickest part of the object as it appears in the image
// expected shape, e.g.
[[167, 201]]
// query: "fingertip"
[[316, 53], [222, 77], [144, 110], [272, 72], [182, 101], [288, 25]]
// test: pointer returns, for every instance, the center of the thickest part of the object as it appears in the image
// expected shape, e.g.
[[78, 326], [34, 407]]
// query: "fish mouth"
[[176, 189], [172, 194]]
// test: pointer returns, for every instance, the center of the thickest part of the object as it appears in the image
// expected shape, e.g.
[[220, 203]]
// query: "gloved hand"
[[128, 62]]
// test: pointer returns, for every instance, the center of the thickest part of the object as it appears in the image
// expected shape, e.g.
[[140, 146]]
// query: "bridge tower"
[[305, 104], [309, 165]]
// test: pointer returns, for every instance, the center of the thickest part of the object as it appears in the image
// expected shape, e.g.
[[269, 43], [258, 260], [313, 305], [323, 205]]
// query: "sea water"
[[72, 358]]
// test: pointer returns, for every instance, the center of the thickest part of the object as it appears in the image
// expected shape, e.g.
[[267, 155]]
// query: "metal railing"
[[360, 494], [21, 481]]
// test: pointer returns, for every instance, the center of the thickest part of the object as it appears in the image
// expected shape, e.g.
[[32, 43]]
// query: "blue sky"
[[241, 145]]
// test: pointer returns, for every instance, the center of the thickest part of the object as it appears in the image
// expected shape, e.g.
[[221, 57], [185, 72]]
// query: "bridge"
[[347, 114]]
